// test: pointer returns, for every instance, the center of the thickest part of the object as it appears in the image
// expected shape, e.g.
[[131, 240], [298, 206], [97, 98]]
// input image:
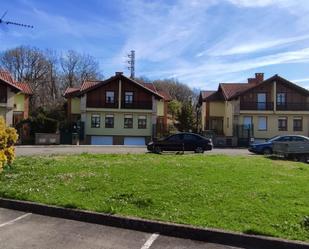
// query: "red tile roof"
[[230, 90], [166, 96], [25, 87], [206, 94], [93, 84], [88, 84], [6, 77]]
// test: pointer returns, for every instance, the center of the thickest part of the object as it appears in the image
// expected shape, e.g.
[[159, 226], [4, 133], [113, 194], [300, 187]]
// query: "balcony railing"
[[101, 104], [257, 106], [137, 105], [292, 106]]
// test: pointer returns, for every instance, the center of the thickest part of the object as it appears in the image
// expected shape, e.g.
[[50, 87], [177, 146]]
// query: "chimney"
[[252, 81], [259, 77], [118, 73]]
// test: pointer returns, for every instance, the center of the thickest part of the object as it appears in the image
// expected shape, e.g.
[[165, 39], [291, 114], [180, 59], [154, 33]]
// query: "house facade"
[[14, 99], [117, 111], [257, 109]]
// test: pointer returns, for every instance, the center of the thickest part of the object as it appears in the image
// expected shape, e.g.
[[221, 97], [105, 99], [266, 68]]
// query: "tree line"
[[48, 72]]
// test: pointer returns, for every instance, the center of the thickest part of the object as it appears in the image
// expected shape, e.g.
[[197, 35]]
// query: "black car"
[[181, 142]]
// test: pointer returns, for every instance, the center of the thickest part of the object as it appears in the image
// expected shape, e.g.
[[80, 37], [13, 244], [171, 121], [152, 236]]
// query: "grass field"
[[247, 194]]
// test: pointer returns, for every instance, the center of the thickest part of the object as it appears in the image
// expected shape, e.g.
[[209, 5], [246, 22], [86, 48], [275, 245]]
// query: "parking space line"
[[12, 221], [149, 242]]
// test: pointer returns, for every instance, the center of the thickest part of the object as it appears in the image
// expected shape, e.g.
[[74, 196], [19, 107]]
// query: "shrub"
[[8, 137]]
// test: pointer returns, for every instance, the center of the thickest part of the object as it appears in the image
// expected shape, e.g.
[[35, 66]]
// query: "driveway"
[[116, 149], [19, 230]]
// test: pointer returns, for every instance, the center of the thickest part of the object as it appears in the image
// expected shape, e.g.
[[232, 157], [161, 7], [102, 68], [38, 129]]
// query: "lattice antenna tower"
[[131, 63]]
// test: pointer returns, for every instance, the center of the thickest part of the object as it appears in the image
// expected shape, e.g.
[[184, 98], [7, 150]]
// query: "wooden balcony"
[[137, 105], [292, 106], [101, 104], [257, 106]]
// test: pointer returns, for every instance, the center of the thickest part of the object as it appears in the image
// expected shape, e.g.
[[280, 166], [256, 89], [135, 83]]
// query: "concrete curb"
[[164, 228]]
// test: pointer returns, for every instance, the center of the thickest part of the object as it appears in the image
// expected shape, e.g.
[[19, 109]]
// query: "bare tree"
[[78, 67]]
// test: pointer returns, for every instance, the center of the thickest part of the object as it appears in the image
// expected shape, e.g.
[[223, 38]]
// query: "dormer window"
[[110, 97], [128, 97]]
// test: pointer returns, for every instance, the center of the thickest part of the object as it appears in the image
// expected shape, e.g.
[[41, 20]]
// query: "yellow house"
[[14, 99], [258, 109], [117, 111]]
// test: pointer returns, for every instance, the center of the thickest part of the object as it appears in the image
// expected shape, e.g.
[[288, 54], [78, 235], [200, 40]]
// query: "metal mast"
[[131, 62]]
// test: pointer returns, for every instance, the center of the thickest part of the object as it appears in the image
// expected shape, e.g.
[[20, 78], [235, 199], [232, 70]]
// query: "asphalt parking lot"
[[74, 149], [19, 230]]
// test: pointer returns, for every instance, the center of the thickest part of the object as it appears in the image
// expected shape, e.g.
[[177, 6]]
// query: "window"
[[261, 97], [109, 121], [142, 122], [110, 97], [299, 139], [95, 121], [128, 97], [190, 137], [247, 122], [284, 139], [298, 124], [262, 123], [281, 98], [128, 121], [282, 124], [175, 138]]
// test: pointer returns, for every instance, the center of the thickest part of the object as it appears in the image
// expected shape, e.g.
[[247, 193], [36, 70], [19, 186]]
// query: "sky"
[[199, 42]]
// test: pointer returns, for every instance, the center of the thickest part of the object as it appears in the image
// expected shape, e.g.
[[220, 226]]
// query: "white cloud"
[[251, 46], [254, 3]]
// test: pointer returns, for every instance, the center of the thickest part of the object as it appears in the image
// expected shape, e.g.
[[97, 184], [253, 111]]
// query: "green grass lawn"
[[247, 194]]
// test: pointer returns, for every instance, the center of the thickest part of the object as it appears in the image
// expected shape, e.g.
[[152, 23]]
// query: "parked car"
[[181, 142], [266, 148]]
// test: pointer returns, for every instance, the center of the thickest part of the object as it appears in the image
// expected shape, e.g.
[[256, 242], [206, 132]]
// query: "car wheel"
[[199, 150], [157, 150], [267, 151]]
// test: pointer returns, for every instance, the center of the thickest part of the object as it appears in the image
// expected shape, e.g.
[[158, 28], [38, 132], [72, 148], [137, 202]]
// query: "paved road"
[[67, 149], [20, 230]]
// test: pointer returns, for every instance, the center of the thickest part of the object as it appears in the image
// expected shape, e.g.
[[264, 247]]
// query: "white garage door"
[[101, 140], [134, 141]]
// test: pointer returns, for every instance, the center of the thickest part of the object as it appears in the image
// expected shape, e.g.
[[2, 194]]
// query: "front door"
[[216, 124]]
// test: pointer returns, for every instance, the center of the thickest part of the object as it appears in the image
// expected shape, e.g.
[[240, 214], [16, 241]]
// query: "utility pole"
[[131, 63]]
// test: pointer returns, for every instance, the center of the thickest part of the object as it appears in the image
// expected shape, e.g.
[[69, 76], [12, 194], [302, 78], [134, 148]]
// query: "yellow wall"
[[118, 125], [217, 109], [160, 108], [19, 101], [75, 105], [272, 125]]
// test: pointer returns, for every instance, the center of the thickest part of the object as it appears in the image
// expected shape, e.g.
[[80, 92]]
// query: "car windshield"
[[272, 139]]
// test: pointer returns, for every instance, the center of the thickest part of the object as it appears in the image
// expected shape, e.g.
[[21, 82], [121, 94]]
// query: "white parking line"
[[149, 242], [12, 221]]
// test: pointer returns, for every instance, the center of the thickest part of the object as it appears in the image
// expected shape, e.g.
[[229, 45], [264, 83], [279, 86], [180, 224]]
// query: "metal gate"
[[244, 133]]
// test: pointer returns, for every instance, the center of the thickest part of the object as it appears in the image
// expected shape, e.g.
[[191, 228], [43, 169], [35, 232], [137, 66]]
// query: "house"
[[257, 109], [14, 99], [117, 111]]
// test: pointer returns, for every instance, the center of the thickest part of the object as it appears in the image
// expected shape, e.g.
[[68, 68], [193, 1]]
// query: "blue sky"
[[200, 42]]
